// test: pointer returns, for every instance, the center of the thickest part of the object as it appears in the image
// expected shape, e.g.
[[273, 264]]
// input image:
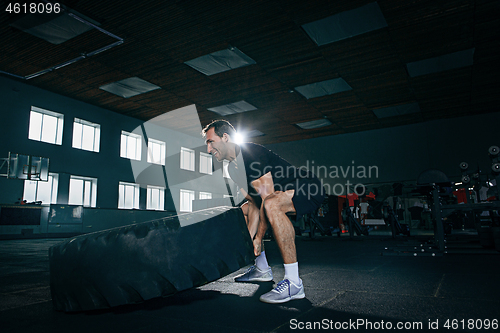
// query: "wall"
[[16, 99], [395, 154], [400, 153]]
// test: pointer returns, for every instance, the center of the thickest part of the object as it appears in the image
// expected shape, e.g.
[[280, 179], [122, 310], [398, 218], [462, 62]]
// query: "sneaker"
[[254, 273], [285, 291]]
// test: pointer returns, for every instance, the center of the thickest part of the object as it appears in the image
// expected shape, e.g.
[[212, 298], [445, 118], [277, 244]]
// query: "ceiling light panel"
[[442, 63], [314, 124], [54, 28], [232, 108], [323, 88], [397, 110], [220, 61], [253, 134], [129, 87], [346, 24]]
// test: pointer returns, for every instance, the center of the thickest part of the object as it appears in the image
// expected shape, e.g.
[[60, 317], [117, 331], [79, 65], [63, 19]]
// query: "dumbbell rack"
[[439, 245]]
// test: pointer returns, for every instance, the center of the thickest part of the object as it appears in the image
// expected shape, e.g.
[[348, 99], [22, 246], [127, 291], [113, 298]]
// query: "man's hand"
[[257, 246], [252, 218]]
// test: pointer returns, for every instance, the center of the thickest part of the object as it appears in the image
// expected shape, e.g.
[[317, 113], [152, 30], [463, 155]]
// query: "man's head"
[[220, 127], [219, 135]]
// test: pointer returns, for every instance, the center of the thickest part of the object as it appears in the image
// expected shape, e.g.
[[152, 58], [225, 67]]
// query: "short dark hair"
[[220, 127]]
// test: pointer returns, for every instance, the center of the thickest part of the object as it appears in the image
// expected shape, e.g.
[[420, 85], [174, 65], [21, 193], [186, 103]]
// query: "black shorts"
[[309, 198], [309, 194]]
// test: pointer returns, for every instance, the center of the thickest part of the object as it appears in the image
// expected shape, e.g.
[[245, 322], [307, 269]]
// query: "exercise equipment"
[[353, 224], [433, 181], [131, 264], [494, 153], [311, 219], [391, 219]]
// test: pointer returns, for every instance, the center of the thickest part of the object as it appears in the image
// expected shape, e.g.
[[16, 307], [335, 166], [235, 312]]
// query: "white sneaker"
[[254, 273], [285, 291]]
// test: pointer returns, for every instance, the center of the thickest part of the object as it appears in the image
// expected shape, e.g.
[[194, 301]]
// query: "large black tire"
[[131, 264]]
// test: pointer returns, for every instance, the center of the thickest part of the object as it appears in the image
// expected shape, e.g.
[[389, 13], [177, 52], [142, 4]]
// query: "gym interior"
[[393, 105]]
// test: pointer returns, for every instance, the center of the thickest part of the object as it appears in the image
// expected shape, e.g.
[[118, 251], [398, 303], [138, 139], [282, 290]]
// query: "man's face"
[[216, 145]]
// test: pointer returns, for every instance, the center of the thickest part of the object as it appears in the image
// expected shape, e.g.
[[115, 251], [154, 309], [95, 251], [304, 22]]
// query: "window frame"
[[204, 195], [163, 151], [38, 134], [225, 169], [53, 179], [78, 143], [182, 204], [161, 197], [124, 151], [136, 195], [205, 166], [191, 166], [89, 184]]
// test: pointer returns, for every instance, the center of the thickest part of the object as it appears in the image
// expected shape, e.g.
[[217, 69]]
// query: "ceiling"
[[160, 36]]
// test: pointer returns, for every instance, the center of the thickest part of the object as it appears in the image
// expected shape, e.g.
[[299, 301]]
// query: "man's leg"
[[274, 209], [276, 206]]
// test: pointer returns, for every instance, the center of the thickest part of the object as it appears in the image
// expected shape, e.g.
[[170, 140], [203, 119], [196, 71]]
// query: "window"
[[86, 135], [82, 191], [156, 151], [155, 198], [46, 192], [205, 195], [130, 146], [45, 126], [187, 159], [225, 166], [205, 163], [128, 196], [187, 198]]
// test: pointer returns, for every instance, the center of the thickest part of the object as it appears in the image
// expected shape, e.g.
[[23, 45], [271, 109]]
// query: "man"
[[273, 188]]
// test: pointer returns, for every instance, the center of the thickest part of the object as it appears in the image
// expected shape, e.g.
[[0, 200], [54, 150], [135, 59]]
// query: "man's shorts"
[[309, 194]]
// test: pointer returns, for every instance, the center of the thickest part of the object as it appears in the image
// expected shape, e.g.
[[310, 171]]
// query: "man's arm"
[[264, 187], [252, 214]]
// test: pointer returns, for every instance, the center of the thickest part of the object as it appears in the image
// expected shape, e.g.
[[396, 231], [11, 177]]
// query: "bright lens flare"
[[239, 138]]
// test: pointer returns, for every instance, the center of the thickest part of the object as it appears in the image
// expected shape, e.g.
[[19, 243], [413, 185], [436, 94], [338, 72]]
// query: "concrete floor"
[[347, 283]]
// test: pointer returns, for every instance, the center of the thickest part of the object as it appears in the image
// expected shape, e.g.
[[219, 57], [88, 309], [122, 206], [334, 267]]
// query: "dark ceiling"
[[159, 36]]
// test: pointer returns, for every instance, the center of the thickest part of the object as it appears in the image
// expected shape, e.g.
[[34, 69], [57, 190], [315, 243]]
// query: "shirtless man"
[[273, 188]]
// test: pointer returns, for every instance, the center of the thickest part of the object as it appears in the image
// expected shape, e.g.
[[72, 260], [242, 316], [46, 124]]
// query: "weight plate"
[[493, 150]]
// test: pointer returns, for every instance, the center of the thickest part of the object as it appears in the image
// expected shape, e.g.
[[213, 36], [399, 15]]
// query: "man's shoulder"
[[250, 148]]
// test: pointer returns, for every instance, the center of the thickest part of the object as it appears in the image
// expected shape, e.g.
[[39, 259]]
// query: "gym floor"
[[350, 284]]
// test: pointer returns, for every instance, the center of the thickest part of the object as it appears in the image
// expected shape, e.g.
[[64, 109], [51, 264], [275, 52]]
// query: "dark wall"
[[386, 155], [398, 153], [16, 99]]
